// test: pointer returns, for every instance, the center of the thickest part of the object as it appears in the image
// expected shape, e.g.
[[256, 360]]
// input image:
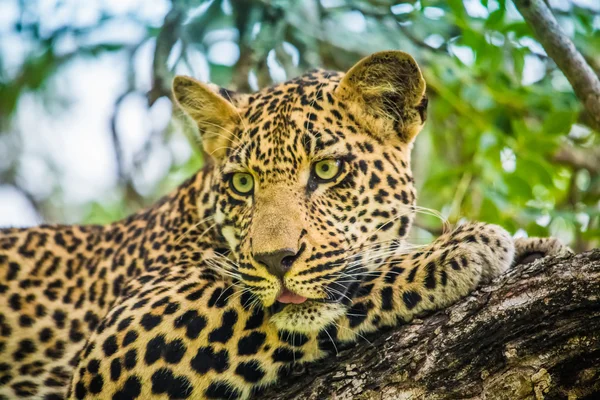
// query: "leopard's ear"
[[388, 85], [212, 109]]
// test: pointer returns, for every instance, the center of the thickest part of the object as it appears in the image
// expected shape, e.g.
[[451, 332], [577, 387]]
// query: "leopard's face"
[[312, 190]]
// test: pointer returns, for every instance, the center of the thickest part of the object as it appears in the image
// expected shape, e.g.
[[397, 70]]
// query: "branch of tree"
[[588, 158], [166, 39], [533, 333], [582, 77]]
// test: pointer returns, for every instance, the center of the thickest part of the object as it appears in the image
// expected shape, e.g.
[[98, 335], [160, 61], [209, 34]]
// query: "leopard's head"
[[313, 179]]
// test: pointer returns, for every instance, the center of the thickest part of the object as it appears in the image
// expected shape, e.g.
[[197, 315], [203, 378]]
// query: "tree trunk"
[[534, 333]]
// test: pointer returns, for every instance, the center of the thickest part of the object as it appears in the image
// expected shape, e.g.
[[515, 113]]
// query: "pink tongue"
[[288, 297]]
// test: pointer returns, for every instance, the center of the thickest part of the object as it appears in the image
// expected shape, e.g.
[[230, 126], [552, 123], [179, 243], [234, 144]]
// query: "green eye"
[[327, 170], [242, 183]]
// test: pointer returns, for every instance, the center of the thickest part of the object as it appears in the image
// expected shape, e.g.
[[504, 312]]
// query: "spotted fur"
[[174, 302]]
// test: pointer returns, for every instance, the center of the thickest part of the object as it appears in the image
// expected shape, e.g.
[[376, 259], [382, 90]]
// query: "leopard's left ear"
[[388, 85]]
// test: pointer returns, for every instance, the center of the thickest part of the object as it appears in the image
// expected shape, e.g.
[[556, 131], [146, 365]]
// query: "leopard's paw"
[[527, 250]]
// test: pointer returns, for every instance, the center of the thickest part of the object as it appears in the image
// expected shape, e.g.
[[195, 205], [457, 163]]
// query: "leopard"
[[290, 241]]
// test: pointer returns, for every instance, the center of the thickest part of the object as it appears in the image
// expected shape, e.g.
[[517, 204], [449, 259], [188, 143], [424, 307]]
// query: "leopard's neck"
[[178, 228], [100, 261]]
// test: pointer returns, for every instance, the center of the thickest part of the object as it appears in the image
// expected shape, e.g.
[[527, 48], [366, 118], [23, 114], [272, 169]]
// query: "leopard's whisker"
[[337, 353], [190, 231]]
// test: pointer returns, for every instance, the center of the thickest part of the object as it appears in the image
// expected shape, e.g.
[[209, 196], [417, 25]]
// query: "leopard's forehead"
[[285, 125]]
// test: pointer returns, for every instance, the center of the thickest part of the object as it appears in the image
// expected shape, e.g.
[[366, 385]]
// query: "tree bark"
[[534, 333], [582, 77]]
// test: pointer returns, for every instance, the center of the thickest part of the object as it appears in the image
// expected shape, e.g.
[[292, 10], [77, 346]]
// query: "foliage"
[[499, 108]]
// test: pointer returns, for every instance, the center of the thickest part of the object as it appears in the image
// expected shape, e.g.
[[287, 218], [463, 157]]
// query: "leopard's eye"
[[327, 170], [242, 183]]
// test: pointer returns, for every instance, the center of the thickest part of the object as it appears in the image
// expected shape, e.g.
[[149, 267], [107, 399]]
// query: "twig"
[[579, 158], [561, 49], [166, 39]]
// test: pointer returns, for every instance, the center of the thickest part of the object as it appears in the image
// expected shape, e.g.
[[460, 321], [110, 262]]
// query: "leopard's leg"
[[530, 249], [430, 278]]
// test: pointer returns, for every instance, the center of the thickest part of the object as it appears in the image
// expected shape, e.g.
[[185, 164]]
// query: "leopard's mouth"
[[310, 316], [344, 294]]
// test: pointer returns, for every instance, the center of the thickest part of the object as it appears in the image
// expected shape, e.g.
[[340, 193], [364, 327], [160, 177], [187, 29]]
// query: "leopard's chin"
[[308, 317]]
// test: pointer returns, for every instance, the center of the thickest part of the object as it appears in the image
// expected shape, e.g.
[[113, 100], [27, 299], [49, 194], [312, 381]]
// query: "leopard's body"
[[174, 302]]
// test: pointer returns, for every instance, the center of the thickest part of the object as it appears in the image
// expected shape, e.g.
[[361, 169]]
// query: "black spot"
[[154, 349], [470, 239], [444, 277], [206, 359], [74, 333], [192, 321], [13, 270], [25, 388], [403, 225], [110, 345], [246, 300], [284, 354], [171, 308], [220, 297], [357, 314], [327, 338], [174, 351], [80, 391], [250, 344], [251, 371], [430, 277], [25, 348], [256, 319], [15, 302], [149, 321], [56, 352], [411, 299], [454, 264], [115, 370], [221, 390], [124, 324], [225, 332], [295, 339], [195, 295], [59, 318], [412, 274], [176, 387], [130, 337], [130, 359], [131, 389], [364, 290], [393, 274], [45, 335], [387, 300], [374, 181], [96, 384], [93, 366]]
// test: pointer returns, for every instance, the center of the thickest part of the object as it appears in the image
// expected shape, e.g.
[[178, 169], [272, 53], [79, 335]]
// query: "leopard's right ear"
[[214, 115]]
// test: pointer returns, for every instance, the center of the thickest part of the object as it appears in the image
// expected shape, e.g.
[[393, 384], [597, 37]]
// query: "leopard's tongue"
[[289, 297]]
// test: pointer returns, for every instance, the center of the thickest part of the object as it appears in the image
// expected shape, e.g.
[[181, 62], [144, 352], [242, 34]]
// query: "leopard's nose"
[[277, 262]]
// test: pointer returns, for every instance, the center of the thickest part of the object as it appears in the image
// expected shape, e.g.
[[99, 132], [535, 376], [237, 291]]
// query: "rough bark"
[[557, 44], [534, 333]]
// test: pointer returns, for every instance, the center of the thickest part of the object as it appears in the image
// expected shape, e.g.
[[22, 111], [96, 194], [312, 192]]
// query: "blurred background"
[[88, 133]]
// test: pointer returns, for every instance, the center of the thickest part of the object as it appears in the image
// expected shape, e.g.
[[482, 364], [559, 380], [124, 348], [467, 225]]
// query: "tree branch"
[[166, 39], [583, 79], [533, 333], [579, 158]]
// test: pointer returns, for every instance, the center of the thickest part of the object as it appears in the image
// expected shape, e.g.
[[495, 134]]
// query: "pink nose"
[[287, 296]]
